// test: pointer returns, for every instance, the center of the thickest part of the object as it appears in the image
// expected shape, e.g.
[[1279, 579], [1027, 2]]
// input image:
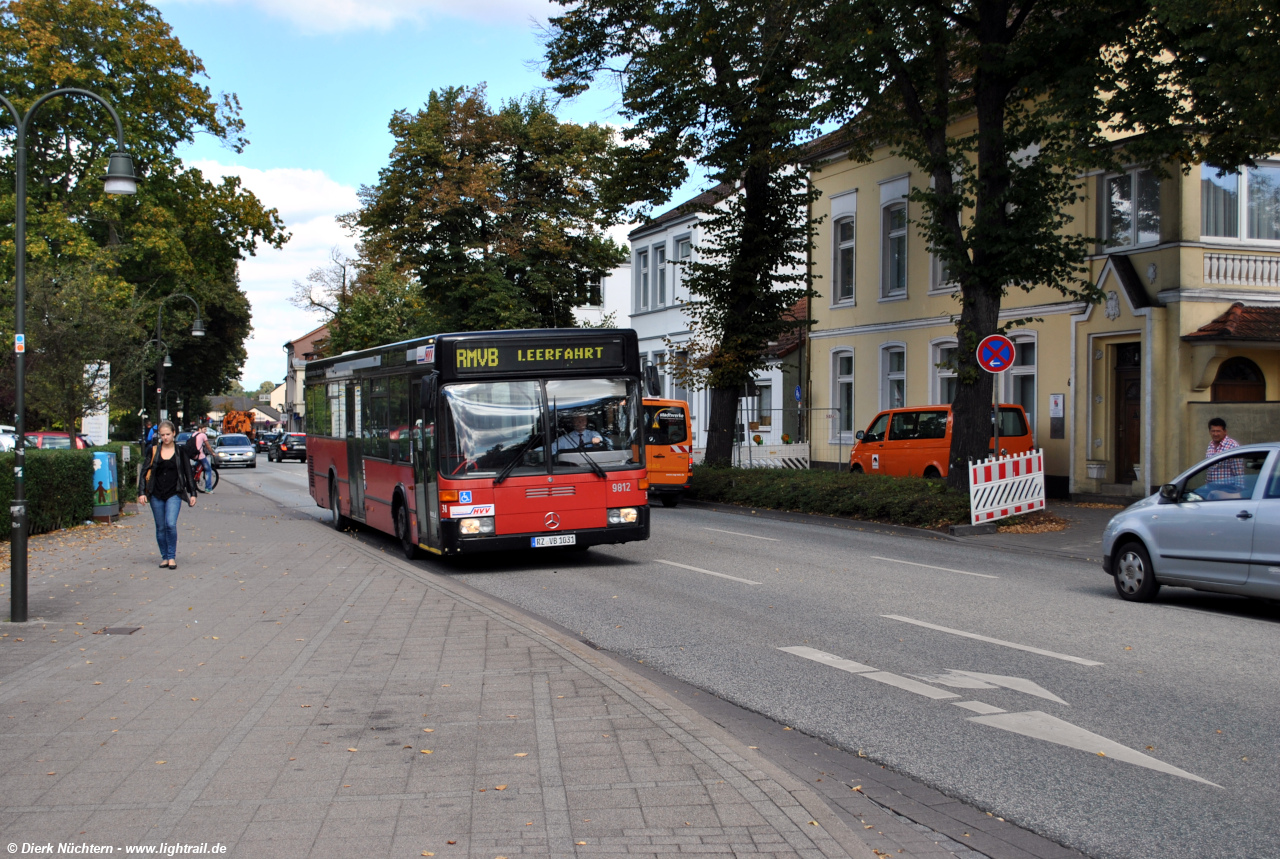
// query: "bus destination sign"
[[536, 355]]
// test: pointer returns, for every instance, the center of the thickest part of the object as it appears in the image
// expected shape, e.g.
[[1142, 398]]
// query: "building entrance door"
[[1128, 411]]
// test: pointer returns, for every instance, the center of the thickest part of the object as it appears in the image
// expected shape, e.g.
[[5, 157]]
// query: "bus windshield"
[[490, 426]]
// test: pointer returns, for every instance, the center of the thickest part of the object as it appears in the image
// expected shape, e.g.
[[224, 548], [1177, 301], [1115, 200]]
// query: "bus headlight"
[[623, 516], [483, 525]]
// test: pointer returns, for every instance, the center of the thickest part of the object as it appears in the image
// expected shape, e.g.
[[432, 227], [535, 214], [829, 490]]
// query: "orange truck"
[[668, 448], [238, 422]]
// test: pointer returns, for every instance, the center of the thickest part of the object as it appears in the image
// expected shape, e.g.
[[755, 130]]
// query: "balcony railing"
[[1242, 269]]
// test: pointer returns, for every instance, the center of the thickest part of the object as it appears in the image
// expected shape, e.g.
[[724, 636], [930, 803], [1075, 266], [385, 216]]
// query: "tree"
[[266, 387], [497, 215], [181, 232], [1047, 90], [326, 287], [733, 87], [383, 305], [72, 317]]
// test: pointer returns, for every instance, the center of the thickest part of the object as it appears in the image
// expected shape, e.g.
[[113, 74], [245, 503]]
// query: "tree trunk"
[[720, 427], [971, 410]]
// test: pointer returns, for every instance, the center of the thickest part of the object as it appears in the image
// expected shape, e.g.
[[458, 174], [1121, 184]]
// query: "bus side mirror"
[[652, 383], [859, 434], [430, 385]]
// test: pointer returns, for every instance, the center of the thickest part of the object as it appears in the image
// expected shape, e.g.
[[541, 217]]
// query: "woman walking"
[[166, 482]]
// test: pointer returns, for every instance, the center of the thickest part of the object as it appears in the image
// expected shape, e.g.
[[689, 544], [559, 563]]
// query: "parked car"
[[916, 442], [47, 440], [7, 441], [668, 448], [235, 449], [1216, 527], [262, 442], [288, 445]]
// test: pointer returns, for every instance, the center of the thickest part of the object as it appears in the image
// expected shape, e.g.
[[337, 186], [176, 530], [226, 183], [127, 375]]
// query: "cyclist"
[[198, 449]]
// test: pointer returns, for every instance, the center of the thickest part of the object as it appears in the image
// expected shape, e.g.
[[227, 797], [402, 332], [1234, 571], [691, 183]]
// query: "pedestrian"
[[165, 483], [148, 436], [1226, 478], [198, 449]]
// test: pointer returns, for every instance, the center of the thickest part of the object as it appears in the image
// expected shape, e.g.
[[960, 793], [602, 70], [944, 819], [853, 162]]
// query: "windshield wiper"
[[515, 460], [595, 466]]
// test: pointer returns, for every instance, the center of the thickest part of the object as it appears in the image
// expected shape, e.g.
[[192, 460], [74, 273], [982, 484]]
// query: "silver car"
[[235, 449], [1214, 528]]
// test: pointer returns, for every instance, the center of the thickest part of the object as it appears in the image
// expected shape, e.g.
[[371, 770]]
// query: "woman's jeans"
[[166, 512]]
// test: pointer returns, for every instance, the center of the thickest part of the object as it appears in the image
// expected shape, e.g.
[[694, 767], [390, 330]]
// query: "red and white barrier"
[[1006, 486]]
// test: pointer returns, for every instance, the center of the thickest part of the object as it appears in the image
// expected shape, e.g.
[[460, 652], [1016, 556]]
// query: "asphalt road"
[[1018, 683]]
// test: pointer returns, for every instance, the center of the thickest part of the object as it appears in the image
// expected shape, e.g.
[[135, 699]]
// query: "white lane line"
[[932, 567], [1042, 726], [886, 677], [989, 640], [828, 659], [978, 707], [708, 572], [909, 685], [740, 534]]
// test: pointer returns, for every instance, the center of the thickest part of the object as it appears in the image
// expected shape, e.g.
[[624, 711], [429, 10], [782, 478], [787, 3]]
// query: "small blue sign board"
[[464, 497], [995, 353], [106, 496], [797, 393]]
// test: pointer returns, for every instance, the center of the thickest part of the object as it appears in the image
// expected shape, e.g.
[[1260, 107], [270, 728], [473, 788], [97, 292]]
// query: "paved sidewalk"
[[291, 691], [1082, 540]]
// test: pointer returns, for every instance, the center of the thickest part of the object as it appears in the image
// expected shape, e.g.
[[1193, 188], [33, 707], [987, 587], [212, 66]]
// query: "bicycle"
[[198, 473]]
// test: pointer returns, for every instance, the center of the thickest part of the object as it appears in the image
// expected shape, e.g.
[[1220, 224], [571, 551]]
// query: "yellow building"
[[1118, 393]]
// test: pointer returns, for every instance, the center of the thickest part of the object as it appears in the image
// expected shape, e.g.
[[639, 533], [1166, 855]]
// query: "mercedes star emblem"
[[552, 521]]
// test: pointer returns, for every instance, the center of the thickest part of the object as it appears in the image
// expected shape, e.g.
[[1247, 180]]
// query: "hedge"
[[873, 497], [59, 487]]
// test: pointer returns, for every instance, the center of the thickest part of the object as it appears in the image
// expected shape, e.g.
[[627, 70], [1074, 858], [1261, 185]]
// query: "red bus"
[[482, 441]]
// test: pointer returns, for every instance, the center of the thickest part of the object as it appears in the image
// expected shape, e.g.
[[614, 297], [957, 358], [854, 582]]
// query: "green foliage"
[[497, 214], [899, 500], [179, 233], [733, 86], [59, 485], [381, 306]]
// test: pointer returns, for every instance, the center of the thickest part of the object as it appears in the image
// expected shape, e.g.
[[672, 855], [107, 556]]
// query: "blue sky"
[[317, 81]]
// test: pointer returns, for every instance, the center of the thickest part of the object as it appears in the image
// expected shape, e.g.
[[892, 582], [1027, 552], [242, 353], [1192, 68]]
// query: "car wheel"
[[407, 545], [336, 519], [1135, 577], [932, 473], [857, 469], [669, 499], [253, 464]]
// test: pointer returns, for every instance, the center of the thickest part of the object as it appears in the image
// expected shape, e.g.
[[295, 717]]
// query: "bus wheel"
[[337, 520], [407, 545]]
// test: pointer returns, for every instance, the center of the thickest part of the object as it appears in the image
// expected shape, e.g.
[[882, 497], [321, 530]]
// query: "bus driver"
[[579, 438]]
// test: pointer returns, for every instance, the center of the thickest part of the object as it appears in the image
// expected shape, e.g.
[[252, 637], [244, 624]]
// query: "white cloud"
[[308, 202], [334, 16]]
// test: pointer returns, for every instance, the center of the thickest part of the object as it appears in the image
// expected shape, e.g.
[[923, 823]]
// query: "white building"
[[610, 302], [660, 250]]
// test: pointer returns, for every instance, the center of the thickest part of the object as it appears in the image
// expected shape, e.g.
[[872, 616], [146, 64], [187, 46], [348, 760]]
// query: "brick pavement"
[[292, 691]]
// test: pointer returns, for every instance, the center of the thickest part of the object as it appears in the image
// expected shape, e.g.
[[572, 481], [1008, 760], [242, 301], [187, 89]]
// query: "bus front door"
[[355, 450], [427, 493]]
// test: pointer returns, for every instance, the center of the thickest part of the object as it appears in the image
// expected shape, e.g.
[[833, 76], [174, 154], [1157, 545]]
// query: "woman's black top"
[[166, 476]]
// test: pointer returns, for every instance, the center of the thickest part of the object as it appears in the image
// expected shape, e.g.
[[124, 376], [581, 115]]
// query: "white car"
[[235, 449]]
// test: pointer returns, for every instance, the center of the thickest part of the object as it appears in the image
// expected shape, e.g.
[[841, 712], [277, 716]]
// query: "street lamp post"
[[197, 330], [120, 179]]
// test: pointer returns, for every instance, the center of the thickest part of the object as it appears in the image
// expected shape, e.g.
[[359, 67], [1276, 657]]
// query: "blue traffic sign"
[[995, 353], [797, 393]]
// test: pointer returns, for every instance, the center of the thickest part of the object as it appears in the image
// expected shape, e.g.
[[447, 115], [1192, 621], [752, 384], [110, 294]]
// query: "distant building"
[[298, 352]]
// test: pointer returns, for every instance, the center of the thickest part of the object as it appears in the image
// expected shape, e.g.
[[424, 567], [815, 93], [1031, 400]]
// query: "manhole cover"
[[118, 630]]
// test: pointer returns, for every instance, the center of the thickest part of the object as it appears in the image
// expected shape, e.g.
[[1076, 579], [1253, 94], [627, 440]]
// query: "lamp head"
[[120, 178], [197, 327], [168, 362]]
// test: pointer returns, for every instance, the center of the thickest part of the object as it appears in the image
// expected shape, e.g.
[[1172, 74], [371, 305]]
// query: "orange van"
[[916, 442], [668, 448]]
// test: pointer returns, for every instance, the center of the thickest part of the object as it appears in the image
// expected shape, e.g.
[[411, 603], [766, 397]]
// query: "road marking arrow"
[[958, 679]]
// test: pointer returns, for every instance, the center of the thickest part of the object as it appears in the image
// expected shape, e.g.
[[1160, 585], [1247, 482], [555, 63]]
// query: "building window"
[[1132, 209], [844, 260], [642, 280], [660, 275], [595, 292], [1223, 206], [842, 365], [1022, 379], [944, 371], [684, 256], [1239, 380], [764, 404], [893, 266], [894, 389], [941, 275]]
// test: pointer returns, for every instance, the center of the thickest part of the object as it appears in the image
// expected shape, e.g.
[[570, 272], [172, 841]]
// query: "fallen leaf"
[[293, 759], [1128, 648], [97, 683], [522, 754], [426, 751], [453, 842], [304, 706], [1102, 754], [428, 730], [501, 787], [579, 843], [424, 852], [444, 685], [52, 773], [353, 750], [868, 826], [195, 699], [161, 762], [813, 823], [786, 729], [856, 787]]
